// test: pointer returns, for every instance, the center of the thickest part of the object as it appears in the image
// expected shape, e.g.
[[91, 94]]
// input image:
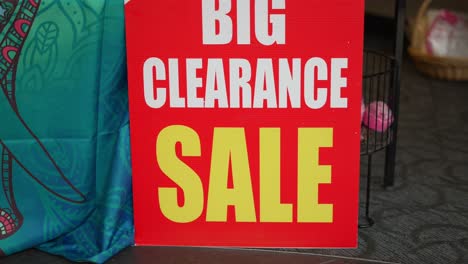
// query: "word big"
[[218, 18]]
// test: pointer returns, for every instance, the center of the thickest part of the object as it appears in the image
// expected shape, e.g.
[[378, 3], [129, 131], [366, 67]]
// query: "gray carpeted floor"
[[424, 218]]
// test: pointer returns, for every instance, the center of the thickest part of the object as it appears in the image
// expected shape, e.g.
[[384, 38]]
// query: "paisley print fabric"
[[64, 147]]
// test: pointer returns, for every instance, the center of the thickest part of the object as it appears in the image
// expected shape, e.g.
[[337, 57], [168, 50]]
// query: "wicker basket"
[[445, 68]]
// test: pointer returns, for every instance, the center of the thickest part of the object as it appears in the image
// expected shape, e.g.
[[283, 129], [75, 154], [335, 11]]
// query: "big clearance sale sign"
[[245, 121]]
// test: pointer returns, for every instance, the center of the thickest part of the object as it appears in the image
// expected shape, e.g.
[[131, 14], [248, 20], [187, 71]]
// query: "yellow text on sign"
[[230, 148]]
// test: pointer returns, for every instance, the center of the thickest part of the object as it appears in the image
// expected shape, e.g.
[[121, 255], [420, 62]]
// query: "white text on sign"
[[236, 82], [213, 16], [244, 86]]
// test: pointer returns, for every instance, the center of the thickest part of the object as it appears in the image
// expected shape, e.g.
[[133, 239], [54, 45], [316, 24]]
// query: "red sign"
[[245, 121]]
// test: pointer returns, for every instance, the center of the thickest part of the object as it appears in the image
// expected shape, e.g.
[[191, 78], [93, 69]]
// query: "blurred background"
[[423, 217], [385, 8]]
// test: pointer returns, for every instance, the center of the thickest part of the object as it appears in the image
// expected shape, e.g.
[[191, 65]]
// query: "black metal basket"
[[379, 70], [381, 82], [379, 85]]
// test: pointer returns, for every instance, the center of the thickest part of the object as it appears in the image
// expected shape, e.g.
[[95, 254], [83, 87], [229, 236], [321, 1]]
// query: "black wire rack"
[[379, 70], [381, 83], [378, 88]]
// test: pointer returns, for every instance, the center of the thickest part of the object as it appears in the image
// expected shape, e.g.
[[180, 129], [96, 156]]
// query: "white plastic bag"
[[447, 34]]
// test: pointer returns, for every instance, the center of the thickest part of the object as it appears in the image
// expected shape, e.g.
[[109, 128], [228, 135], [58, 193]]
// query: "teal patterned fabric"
[[64, 137]]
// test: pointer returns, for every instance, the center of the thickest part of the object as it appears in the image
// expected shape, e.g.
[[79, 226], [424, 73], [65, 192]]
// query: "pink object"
[[6, 55], [7, 223], [363, 109], [378, 116], [19, 26]]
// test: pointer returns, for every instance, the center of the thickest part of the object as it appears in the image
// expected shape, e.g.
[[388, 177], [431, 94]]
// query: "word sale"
[[230, 158]]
